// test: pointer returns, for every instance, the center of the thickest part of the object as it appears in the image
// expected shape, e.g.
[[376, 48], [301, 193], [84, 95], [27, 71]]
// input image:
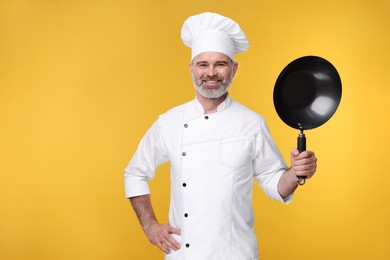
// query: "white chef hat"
[[213, 32]]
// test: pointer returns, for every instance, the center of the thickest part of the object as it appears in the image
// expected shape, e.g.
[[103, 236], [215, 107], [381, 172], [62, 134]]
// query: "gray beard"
[[211, 93]]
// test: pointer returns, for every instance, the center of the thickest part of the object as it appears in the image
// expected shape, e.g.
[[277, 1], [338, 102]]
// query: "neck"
[[210, 105]]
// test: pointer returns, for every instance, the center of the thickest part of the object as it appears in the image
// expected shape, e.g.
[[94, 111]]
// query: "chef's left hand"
[[304, 163]]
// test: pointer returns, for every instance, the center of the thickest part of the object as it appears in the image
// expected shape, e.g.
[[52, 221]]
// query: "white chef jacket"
[[213, 161]]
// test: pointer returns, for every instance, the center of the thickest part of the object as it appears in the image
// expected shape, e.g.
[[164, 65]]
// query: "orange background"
[[81, 82]]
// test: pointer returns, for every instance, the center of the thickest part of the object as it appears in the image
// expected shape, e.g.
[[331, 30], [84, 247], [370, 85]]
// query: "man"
[[216, 148]]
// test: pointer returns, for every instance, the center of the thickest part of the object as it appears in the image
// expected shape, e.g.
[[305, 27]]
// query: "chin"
[[212, 94]]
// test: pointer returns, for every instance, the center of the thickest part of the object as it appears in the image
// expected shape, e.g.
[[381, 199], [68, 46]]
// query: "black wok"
[[306, 95]]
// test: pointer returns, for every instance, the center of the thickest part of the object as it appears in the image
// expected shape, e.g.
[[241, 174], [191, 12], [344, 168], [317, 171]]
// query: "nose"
[[211, 71]]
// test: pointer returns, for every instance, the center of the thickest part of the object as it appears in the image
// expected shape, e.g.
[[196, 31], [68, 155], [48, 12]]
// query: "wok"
[[306, 95]]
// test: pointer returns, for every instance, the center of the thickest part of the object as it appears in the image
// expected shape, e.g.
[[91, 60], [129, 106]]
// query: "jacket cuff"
[[135, 186], [272, 189]]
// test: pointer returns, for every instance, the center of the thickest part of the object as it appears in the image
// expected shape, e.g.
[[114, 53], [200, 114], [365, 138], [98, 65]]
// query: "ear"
[[235, 68]]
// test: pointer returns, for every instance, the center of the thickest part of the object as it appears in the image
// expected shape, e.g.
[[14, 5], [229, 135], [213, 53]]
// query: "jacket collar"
[[223, 106]]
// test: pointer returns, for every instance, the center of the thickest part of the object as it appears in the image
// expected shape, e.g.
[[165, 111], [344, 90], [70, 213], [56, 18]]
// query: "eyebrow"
[[218, 61]]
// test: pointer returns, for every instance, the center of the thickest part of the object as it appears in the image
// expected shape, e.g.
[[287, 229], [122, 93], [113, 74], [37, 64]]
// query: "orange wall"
[[81, 81]]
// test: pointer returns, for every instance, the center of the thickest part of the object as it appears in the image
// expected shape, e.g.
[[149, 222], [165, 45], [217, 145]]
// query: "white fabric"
[[217, 158], [210, 32]]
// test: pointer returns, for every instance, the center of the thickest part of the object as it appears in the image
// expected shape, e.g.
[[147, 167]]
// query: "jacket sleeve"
[[269, 164], [149, 155]]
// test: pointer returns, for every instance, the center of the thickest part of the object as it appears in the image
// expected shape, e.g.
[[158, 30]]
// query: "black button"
[[187, 245], [185, 125], [206, 117], [184, 184], [183, 153], [185, 215]]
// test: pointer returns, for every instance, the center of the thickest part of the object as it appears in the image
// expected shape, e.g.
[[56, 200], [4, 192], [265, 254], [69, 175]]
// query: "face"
[[212, 73]]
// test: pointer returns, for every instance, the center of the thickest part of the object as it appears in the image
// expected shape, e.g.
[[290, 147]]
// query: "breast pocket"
[[235, 152]]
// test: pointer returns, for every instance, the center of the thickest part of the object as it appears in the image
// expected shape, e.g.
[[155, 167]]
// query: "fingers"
[[303, 164], [163, 247], [176, 231], [297, 155], [305, 154], [160, 235], [294, 152], [305, 170], [170, 242], [167, 243]]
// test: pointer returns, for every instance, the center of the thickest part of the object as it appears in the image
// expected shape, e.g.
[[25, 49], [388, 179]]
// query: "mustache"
[[207, 78]]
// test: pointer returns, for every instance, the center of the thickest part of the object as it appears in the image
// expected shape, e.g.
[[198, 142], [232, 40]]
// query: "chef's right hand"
[[160, 235]]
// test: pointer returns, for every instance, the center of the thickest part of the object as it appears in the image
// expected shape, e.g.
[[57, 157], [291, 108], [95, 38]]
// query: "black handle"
[[301, 142], [301, 147]]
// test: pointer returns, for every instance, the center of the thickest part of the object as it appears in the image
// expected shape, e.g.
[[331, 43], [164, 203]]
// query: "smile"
[[211, 83]]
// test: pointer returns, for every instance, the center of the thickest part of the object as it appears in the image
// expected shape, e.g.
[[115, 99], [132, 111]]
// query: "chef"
[[216, 148]]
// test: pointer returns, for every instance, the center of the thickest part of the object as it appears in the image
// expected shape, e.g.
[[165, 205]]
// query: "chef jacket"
[[213, 161]]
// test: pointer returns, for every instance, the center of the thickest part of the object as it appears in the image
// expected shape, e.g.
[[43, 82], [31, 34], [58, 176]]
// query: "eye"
[[202, 65], [221, 65]]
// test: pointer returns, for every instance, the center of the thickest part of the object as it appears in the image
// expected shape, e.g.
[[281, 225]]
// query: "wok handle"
[[301, 147], [301, 142]]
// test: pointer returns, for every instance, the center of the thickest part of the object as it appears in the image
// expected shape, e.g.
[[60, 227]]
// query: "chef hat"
[[213, 32]]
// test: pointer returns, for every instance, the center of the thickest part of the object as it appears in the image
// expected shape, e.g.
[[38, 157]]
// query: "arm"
[[158, 234], [302, 164]]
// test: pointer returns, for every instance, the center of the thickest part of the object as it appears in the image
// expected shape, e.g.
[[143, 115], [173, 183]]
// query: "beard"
[[212, 93]]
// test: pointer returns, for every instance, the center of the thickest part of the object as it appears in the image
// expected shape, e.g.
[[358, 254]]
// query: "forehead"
[[211, 57]]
